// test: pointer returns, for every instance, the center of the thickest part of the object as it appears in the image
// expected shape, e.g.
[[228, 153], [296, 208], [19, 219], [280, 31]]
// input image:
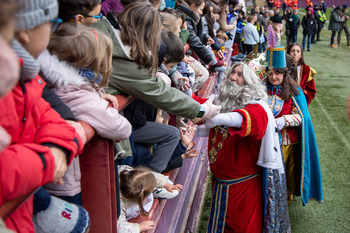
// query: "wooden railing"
[[98, 185]]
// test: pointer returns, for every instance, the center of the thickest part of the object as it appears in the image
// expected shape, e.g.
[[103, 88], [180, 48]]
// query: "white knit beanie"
[[33, 13], [60, 217]]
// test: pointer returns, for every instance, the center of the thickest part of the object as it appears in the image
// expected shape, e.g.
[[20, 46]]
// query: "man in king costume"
[[243, 143]]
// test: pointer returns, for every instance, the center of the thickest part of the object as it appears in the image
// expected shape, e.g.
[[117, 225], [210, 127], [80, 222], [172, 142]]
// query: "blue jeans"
[[221, 70], [295, 36], [308, 41], [165, 136], [333, 36]]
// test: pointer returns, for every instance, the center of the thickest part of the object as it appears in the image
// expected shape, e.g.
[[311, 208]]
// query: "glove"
[[210, 109], [230, 119], [280, 122]]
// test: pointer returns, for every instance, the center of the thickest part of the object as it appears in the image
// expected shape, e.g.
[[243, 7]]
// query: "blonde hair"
[[140, 29], [170, 23], [221, 34], [84, 47], [136, 185]]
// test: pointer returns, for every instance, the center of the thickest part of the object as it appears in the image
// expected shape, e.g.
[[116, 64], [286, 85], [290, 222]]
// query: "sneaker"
[[334, 46], [168, 180], [309, 50], [162, 193]]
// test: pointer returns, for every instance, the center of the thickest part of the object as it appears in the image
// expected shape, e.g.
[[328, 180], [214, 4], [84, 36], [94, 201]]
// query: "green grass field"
[[332, 130]]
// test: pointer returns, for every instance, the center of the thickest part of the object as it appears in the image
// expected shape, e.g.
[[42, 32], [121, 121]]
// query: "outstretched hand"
[[190, 154], [146, 225], [187, 136], [210, 109], [170, 187]]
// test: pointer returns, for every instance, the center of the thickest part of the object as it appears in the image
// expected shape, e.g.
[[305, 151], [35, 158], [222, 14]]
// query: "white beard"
[[231, 96]]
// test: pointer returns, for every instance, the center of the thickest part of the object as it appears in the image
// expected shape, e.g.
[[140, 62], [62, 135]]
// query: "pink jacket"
[[87, 105]]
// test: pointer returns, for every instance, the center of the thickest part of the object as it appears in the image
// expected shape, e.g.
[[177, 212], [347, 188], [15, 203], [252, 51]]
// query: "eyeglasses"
[[97, 17], [55, 24]]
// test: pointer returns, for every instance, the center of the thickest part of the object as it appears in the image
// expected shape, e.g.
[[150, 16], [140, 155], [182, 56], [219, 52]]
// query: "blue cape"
[[311, 180]]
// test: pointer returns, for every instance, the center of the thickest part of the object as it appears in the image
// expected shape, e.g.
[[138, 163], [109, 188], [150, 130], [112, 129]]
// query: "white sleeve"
[[292, 120], [230, 119], [123, 226]]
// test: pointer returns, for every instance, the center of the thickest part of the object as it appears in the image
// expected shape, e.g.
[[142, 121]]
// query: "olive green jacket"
[[126, 77]]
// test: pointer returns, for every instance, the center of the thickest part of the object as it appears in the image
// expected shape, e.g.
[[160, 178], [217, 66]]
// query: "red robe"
[[238, 158], [307, 82]]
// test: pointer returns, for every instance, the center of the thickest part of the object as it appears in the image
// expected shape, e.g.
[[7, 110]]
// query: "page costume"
[[300, 143]]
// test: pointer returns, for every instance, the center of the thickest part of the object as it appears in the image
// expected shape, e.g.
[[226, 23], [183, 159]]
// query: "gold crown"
[[258, 63]]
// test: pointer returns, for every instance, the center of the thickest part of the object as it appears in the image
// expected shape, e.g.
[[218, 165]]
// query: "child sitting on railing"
[[77, 71], [136, 187]]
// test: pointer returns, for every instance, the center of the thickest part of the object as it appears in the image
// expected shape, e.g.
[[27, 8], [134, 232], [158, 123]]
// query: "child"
[[197, 40], [42, 143], [84, 12], [136, 188], [77, 71], [221, 64]]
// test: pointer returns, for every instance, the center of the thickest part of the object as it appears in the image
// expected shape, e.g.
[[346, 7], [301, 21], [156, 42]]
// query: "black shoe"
[[313, 42], [318, 40], [309, 50]]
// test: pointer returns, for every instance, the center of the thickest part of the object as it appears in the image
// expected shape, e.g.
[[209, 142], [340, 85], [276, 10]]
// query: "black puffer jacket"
[[309, 24], [197, 39]]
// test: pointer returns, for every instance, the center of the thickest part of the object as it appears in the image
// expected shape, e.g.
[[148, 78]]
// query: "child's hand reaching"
[[170, 187], [146, 226], [110, 98], [190, 154], [187, 136]]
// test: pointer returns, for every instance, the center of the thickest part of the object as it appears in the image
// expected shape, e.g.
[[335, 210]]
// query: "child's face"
[[198, 10], [275, 77], [221, 41], [170, 65], [178, 26], [35, 40], [88, 20]]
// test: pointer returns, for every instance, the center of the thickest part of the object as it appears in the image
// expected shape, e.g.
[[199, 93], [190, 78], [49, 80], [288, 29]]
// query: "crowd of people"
[[64, 61]]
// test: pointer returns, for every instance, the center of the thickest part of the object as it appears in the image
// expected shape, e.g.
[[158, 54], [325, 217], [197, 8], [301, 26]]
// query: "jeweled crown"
[[258, 63]]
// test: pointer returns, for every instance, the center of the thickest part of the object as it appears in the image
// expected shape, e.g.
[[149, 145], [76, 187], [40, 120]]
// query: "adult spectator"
[[344, 13], [321, 20], [250, 34], [334, 24]]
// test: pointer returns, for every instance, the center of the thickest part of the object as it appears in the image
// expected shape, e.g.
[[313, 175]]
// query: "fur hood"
[[57, 73]]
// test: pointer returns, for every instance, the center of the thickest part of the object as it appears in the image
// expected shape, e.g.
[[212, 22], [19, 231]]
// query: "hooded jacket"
[[87, 105], [197, 39], [34, 126]]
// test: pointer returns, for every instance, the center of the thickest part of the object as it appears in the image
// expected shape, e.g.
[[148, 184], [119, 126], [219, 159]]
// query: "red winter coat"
[[26, 164]]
